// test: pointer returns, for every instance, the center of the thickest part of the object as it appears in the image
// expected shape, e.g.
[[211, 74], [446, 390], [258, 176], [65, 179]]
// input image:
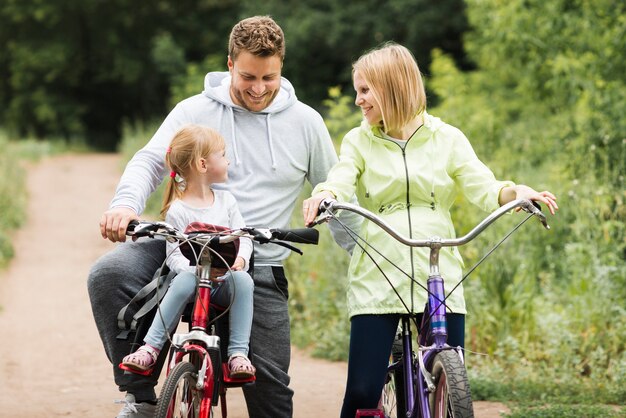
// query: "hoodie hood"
[[217, 87]]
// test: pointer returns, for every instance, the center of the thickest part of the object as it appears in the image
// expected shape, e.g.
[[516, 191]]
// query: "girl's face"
[[365, 100], [217, 167]]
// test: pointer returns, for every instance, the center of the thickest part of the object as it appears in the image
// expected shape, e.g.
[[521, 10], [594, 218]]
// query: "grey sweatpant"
[[118, 275]]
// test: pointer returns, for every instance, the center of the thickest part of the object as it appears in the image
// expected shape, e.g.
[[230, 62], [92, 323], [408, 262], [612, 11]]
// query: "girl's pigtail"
[[171, 188]]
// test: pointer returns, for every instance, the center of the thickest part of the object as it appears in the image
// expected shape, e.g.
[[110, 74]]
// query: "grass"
[[14, 153], [566, 411]]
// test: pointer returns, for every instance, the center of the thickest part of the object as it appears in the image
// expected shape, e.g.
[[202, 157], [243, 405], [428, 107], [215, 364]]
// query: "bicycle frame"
[[432, 339], [197, 341]]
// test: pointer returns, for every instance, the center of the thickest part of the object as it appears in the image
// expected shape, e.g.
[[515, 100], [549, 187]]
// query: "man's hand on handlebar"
[[310, 207], [114, 222]]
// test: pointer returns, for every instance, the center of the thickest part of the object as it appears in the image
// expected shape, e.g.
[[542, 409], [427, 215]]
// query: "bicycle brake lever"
[[289, 246], [326, 204], [320, 220], [535, 209]]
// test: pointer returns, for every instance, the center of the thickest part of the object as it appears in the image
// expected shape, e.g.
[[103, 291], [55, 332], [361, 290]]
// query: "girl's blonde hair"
[[189, 144], [395, 81]]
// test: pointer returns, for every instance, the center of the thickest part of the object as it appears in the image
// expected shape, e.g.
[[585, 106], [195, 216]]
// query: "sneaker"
[[133, 409]]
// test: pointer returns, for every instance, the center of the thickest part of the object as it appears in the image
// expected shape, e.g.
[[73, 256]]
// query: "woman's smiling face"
[[366, 101]]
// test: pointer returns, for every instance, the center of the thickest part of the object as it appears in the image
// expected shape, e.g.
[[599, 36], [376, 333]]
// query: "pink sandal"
[[240, 367], [143, 359]]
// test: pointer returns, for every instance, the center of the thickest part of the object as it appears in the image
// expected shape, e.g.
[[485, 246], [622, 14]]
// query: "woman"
[[408, 167]]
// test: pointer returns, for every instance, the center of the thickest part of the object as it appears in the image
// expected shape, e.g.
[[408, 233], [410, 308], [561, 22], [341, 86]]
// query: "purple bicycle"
[[430, 382]]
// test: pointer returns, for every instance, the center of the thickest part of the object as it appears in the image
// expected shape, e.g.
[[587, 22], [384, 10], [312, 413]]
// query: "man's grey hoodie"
[[271, 153]]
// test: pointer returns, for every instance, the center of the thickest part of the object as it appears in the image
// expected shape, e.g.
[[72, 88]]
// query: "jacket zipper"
[[408, 212]]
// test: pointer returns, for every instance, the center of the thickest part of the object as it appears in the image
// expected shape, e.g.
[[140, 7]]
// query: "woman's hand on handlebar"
[[310, 207], [521, 191], [114, 222]]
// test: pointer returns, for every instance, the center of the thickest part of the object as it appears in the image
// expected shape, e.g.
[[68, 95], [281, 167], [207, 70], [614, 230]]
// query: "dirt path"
[[51, 361]]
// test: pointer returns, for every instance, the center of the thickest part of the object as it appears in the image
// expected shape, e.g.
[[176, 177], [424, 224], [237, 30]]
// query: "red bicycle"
[[197, 379]]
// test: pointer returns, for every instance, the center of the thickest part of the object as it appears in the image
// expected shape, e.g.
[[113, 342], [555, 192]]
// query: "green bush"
[[13, 193]]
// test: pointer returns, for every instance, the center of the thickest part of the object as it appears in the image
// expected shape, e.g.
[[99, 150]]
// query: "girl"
[[197, 159], [408, 167]]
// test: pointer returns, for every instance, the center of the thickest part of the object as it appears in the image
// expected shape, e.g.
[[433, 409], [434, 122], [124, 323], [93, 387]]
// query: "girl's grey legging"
[[237, 286]]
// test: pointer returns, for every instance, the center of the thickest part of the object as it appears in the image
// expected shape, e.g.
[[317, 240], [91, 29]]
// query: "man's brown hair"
[[259, 35]]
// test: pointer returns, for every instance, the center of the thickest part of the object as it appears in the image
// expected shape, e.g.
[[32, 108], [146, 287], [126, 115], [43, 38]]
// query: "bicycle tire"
[[452, 397], [179, 397], [392, 401]]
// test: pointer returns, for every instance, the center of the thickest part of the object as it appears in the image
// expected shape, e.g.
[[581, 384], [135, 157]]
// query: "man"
[[274, 143]]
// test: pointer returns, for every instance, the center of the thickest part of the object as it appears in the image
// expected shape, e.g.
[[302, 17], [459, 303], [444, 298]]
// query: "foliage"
[[317, 303], [324, 37], [190, 82], [549, 305], [82, 69], [13, 193], [341, 114], [544, 96], [77, 69], [133, 139], [565, 411]]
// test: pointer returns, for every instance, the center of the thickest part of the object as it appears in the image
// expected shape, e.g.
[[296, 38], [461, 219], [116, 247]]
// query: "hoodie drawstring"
[[269, 140], [232, 135]]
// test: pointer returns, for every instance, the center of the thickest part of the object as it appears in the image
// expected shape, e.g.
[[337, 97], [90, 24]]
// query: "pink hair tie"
[[172, 174], [168, 150]]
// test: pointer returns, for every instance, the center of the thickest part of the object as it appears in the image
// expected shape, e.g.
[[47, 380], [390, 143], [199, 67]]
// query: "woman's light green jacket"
[[412, 190]]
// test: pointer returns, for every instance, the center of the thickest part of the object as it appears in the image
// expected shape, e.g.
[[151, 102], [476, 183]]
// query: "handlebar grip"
[[301, 235], [131, 226]]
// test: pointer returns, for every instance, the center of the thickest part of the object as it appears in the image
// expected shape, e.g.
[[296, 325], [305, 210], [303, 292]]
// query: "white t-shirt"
[[224, 212]]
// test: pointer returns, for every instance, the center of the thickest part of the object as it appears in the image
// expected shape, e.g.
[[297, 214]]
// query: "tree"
[[81, 68], [324, 37]]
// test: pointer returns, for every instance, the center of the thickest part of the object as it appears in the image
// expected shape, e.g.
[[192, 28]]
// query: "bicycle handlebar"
[[528, 206], [261, 235]]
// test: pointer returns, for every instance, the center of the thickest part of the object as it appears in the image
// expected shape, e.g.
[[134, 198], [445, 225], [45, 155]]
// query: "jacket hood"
[[217, 87]]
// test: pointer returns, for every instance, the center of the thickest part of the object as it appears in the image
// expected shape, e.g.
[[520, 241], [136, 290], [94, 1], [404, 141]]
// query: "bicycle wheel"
[[451, 398], [392, 401], [179, 397]]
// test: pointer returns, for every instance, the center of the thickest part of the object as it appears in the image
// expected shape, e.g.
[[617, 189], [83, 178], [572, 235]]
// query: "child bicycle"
[[196, 375], [431, 383]]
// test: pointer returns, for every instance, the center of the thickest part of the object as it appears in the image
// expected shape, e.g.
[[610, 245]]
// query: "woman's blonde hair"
[[395, 81], [189, 144]]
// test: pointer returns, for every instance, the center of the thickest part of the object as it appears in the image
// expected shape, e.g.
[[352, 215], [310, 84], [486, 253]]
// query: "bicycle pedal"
[[369, 413], [232, 381], [133, 371]]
